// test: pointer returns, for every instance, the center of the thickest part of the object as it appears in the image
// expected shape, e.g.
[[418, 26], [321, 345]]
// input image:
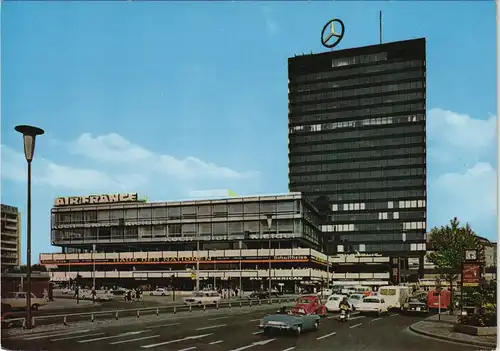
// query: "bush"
[[479, 320]]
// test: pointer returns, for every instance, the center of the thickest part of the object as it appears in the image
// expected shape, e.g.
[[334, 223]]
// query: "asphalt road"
[[236, 332]]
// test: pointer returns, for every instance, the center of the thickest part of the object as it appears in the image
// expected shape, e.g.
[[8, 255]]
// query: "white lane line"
[[194, 337], [392, 315], [55, 334], [376, 319], [188, 348], [76, 337], [115, 336], [289, 349], [257, 343], [215, 342], [132, 340], [355, 325], [217, 318], [257, 332], [212, 327], [255, 320], [357, 317], [325, 336], [162, 325]]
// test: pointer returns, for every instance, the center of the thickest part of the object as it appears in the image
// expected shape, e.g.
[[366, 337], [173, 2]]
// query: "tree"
[[449, 244]]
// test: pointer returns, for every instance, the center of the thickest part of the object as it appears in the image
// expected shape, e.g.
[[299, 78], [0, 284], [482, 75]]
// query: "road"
[[236, 332]]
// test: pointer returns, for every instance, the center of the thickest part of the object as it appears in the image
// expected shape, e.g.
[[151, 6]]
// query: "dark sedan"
[[416, 304]]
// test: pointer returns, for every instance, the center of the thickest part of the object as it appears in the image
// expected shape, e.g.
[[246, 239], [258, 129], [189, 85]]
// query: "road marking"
[[115, 336], [194, 337], [357, 317], [376, 319], [325, 336], [212, 327], [257, 332], [255, 320], [392, 315], [76, 337], [355, 325], [131, 340], [217, 318], [215, 342], [257, 343], [56, 334], [289, 349], [163, 325], [189, 348]]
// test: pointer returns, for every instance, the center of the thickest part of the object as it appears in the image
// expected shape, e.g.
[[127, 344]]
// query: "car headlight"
[[261, 322]]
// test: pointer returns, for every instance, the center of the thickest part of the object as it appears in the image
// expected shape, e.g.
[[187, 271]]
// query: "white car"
[[355, 300], [332, 304], [325, 293], [373, 304], [202, 298], [100, 295], [160, 292]]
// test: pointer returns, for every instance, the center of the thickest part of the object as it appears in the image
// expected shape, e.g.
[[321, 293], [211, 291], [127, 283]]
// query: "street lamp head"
[[29, 135]]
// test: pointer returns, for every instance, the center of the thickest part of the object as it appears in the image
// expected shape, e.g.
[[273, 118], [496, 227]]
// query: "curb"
[[445, 338]]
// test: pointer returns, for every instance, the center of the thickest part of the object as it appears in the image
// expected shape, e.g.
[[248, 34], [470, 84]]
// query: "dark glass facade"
[[357, 145]]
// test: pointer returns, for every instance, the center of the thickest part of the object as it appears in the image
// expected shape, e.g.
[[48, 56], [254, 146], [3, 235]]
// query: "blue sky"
[[171, 99]]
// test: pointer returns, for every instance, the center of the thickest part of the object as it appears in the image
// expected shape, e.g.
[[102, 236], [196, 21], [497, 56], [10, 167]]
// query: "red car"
[[310, 304]]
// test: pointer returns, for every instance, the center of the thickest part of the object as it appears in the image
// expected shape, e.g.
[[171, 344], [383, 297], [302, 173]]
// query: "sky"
[[178, 100]]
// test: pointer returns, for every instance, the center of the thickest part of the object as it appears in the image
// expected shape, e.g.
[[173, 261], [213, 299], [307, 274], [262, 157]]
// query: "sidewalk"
[[443, 329], [61, 303]]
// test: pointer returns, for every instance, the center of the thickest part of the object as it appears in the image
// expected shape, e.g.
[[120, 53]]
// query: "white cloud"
[[470, 195], [271, 25], [121, 166], [462, 180], [112, 148], [459, 137]]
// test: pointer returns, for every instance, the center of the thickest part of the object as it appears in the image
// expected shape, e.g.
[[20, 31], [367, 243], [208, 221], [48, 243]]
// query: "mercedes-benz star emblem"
[[329, 37]]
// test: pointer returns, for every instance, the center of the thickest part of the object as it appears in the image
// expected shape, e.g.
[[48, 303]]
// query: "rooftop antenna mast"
[[380, 25]]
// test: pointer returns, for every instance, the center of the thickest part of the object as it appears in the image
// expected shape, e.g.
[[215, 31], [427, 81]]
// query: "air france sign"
[[95, 199]]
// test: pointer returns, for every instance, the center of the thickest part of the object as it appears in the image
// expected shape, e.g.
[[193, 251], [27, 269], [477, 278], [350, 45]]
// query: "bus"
[[433, 300], [394, 296]]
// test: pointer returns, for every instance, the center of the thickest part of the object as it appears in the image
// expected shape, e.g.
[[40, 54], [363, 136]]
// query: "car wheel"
[[163, 294], [379, 313], [298, 331], [34, 307], [151, 294]]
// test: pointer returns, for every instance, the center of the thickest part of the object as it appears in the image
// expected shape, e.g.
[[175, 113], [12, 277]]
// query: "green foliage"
[[450, 243]]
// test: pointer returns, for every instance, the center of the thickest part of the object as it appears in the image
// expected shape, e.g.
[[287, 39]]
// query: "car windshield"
[[355, 297], [371, 300], [415, 299], [304, 301], [199, 295], [334, 298], [12, 295], [387, 292]]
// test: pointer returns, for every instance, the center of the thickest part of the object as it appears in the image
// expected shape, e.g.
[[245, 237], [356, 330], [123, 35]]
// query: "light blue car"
[[289, 322]]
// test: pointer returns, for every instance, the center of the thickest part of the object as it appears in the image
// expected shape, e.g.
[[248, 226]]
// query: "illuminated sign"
[[170, 260], [330, 38], [95, 199]]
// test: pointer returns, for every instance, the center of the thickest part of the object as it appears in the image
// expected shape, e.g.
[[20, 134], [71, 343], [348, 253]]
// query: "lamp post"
[[269, 224], [403, 239], [93, 274], [197, 264], [29, 135]]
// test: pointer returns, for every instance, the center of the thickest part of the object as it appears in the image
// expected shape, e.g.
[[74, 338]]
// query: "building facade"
[[11, 237], [357, 145], [118, 239]]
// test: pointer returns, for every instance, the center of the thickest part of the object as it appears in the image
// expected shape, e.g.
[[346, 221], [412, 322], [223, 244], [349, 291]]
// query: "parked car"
[[19, 300], [203, 298], [289, 321], [100, 295], [325, 293], [332, 304], [310, 304], [373, 304], [160, 292], [355, 299]]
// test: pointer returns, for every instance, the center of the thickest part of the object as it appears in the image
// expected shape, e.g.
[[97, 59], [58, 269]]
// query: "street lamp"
[[269, 224], [29, 135], [403, 239], [197, 263], [93, 273]]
